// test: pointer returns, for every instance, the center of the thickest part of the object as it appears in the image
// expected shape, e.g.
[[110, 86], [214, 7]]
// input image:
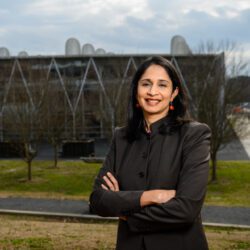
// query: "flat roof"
[[108, 56]]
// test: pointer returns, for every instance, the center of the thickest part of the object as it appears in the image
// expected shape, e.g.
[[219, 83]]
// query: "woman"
[[155, 175]]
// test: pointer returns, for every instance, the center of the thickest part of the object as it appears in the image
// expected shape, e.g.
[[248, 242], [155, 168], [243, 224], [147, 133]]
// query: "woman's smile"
[[155, 92], [152, 102]]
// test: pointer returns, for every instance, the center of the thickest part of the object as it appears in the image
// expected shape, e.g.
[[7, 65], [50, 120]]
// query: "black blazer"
[[177, 161]]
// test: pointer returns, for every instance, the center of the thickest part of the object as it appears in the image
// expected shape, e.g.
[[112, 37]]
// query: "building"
[[82, 96], [90, 91]]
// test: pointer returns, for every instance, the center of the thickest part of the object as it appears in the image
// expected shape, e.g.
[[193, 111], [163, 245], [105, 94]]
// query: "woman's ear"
[[175, 93]]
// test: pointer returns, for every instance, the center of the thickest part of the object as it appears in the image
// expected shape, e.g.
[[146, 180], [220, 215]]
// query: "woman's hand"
[[150, 197], [123, 218], [110, 182], [156, 196]]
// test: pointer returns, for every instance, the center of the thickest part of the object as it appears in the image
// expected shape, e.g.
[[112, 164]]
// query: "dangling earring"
[[137, 105], [171, 106]]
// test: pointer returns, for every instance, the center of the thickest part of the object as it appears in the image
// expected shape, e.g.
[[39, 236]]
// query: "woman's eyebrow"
[[149, 80], [164, 80]]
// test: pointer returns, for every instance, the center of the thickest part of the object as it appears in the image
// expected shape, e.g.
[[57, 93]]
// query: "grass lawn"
[[233, 185], [20, 232], [74, 179]]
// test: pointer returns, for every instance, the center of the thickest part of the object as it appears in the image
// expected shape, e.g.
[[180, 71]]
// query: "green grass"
[[27, 243], [74, 179], [233, 185]]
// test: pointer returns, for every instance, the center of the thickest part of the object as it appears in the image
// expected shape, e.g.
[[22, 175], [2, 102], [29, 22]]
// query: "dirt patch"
[[58, 235], [20, 232], [228, 239]]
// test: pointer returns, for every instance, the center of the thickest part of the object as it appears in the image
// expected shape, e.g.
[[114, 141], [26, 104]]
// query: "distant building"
[[91, 86], [94, 88]]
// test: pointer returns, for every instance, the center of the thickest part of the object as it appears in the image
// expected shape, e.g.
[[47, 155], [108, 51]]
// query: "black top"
[[157, 161]]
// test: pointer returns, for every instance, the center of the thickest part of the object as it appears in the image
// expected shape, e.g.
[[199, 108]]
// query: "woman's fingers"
[[104, 187], [123, 218], [165, 195], [111, 182], [114, 181], [173, 193], [157, 196]]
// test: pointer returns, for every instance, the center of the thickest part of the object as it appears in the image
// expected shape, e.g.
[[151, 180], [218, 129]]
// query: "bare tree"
[[54, 119], [214, 96], [21, 111]]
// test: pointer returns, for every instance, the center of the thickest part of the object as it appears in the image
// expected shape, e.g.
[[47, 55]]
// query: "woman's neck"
[[150, 120]]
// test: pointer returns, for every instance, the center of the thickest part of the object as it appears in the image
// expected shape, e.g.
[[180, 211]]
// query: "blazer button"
[[141, 174], [144, 155]]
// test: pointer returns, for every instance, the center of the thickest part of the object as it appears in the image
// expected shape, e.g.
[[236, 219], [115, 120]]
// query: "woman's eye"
[[163, 85], [145, 84]]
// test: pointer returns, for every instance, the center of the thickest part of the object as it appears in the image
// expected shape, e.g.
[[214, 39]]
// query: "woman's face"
[[155, 91]]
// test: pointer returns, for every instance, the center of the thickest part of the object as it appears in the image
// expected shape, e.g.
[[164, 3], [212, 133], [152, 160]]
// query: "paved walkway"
[[79, 209]]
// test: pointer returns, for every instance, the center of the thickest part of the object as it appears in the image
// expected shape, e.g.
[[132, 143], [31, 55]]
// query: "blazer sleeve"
[[184, 208], [109, 203]]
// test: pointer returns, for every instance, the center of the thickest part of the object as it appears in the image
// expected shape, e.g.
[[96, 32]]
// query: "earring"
[[137, 105], [171, 106]]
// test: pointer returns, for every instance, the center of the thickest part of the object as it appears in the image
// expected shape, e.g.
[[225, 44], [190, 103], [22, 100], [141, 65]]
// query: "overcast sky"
[[121, 26]]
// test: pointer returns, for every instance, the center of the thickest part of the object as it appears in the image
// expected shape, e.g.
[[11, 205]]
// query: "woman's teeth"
[[152, 101]]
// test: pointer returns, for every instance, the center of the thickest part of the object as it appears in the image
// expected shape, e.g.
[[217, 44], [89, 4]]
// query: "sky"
[[41, 27]]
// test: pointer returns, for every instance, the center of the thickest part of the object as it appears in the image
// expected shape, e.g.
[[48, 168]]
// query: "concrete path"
[[79, 209]]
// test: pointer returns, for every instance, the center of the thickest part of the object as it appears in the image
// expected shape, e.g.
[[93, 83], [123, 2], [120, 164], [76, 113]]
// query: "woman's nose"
[[152, 90]]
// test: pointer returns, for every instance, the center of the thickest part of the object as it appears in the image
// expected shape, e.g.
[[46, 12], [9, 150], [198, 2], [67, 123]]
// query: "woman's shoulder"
[[195, 125], [195, 128], [120, 131]]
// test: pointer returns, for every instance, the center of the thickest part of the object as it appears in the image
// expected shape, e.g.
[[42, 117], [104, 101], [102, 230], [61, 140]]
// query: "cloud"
[[215, 8], [114, 12], [125, 26], [205, 27]]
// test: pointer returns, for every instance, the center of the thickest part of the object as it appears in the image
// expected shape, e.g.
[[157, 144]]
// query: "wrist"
[[147, 198]]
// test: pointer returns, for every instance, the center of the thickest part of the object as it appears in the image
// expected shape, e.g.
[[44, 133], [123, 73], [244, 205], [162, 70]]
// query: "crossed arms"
[[158, 209]]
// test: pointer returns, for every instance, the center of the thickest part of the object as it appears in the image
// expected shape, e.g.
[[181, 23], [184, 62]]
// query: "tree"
[[21, 109], [214, 95], [54, 116]]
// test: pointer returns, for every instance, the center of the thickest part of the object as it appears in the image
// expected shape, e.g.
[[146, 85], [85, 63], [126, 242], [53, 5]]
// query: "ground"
[[73, 180], [24, 233]]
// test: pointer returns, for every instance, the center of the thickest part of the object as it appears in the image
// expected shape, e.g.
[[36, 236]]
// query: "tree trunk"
[[29, 171], [214, 168], [55, 155], [28, 159]]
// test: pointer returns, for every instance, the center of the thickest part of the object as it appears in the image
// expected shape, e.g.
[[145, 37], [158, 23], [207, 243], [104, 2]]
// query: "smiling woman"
[[155, 93], [155, 175]]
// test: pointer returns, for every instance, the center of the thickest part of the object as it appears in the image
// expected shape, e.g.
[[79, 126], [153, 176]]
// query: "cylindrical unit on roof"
[[4, 52], [23, 54], [88, 49], [179, 46], [72, 47], [100, 51]]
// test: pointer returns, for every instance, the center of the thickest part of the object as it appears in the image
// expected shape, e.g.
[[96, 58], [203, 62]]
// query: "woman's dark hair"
[[135, 116]]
